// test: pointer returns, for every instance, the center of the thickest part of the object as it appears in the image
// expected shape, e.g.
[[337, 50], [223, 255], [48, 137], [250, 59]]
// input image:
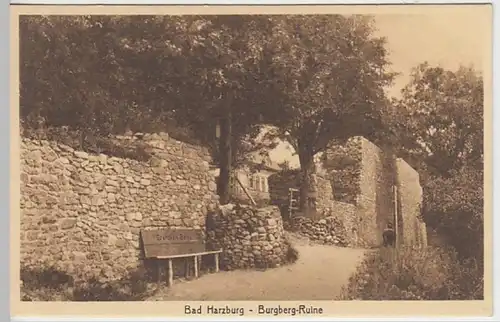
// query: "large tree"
[[104, 74], [316, 78], [226, 56], [439, 120], [328, 73]]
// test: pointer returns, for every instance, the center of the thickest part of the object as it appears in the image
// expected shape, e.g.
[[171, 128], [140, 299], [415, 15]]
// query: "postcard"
[[251, 161]]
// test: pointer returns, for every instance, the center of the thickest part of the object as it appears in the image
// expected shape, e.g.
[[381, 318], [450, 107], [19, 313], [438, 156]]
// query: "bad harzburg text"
[[260, 310]]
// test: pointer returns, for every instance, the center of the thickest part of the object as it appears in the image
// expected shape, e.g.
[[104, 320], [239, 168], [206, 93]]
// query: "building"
[[252, 177]]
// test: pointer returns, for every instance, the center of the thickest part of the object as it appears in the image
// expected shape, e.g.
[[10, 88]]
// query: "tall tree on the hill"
[[329, 74], [440, 126], [441, 118]]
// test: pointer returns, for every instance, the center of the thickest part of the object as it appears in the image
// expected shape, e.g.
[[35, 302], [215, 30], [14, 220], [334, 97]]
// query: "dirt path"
[[318, 274]]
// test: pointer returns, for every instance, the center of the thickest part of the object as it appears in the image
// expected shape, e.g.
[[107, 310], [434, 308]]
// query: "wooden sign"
[[172, 242]]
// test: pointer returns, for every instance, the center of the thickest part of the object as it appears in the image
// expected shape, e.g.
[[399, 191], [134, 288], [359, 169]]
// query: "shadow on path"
[[319, 274]]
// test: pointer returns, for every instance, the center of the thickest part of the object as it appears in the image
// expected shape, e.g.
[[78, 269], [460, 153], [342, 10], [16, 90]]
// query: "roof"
[[264, 160], [256, 159]]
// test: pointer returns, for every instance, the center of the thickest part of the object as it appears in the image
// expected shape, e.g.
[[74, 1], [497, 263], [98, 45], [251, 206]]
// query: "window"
[[258, 183]]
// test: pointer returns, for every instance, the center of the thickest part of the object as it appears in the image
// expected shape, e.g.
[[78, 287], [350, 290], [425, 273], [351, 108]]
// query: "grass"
[[415, 274], [50, 284]]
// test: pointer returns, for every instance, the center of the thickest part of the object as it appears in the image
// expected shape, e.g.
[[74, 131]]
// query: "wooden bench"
[[165, 244]]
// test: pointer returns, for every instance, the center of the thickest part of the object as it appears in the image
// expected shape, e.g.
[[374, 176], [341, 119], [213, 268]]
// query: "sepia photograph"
[[256, 156]]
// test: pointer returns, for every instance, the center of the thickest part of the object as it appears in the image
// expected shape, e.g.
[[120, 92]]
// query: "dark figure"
[[389, 236]]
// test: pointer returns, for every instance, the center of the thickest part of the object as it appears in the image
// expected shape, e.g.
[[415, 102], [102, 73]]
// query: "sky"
[[442, 39], [447, 40]]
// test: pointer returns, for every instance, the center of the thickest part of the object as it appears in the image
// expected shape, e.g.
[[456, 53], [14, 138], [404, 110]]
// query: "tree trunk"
[[225, 158], [307, 185]]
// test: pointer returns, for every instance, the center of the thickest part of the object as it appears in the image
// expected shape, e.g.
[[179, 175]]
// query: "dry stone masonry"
[[374, 202], [366, 176], [359, 195], [343, 162], [409, 201], [82, 213], [328, 230], [249, 237]]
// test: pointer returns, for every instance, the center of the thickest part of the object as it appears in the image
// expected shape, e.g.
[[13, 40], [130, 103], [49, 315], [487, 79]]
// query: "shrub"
[[454, 207], [45, 284], [415, 274], [51, 284]]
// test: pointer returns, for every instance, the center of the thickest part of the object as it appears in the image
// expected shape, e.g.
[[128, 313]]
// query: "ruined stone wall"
[[421, 234], [343, 164], [249, 237], [375, 200], [328, 230], [324, 199], [355, 182], [355, 170], [410, 202], [328, 209], [346, 213], [363, 175], [82, 213]]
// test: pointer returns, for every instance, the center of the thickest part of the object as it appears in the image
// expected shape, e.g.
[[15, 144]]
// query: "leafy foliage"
[[315, 77], [455, 206], [440, 119], [330, 74], [171, 72], [440, 122], [415, 274]]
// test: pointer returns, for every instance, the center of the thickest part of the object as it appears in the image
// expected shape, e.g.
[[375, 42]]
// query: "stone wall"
[[82, 213], [374, 202], [343, 164], [359, 175], [363, 175], [422, 234], [249, 237], [324, 192], [328, 230], [328, 209], [346, 213], [413, 230], [355, 183]]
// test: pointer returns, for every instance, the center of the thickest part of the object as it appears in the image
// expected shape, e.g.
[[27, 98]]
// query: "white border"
[[4, 118], [255, 2]]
